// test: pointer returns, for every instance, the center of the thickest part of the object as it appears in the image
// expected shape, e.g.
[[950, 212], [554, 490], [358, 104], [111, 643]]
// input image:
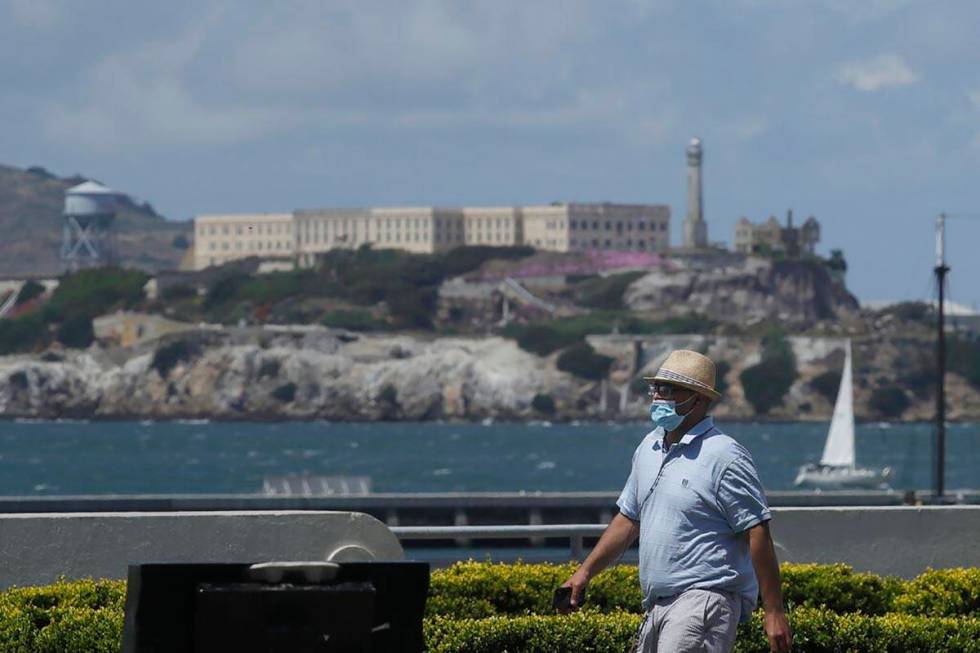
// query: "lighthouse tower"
[[695, 228]]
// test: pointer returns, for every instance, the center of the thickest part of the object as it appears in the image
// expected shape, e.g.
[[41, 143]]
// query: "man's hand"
[[578, 582], [621, 532], [767, 571], [778, 630]]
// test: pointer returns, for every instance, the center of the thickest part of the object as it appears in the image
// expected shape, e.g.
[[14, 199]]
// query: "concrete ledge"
[[419, 501], [901, 541], [36, 549]]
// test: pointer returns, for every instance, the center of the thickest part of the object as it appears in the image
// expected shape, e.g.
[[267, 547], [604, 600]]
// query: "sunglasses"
[[665, 390]]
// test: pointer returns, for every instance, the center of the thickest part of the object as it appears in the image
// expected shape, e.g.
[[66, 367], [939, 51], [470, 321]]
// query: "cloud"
[[310, 47], [142, 97], [883, 71], [36, 14], [975, 98]]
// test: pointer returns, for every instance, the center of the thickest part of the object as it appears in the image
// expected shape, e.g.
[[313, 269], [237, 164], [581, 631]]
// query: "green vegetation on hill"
[[605, 292], [582, 360], [93, 292], [543, 338], [767, 382], [30, 290], [67, 314], [963, 357], [405, 284]]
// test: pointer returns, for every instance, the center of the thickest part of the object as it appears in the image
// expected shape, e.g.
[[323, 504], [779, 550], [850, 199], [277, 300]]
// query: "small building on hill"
[[770, 237]]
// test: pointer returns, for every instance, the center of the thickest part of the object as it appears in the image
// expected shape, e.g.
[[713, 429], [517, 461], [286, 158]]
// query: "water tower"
[[89, 235]]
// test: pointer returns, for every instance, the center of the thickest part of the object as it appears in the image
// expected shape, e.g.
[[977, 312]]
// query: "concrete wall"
[[900, 541], [36, 549]]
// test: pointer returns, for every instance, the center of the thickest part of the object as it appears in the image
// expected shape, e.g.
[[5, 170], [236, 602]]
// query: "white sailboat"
[[836, 470]]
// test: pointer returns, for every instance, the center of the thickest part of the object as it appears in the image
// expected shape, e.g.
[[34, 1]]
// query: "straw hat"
[[690, 370]]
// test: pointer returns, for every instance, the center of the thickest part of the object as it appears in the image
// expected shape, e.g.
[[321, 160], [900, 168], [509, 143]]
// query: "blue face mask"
[[664, 414]]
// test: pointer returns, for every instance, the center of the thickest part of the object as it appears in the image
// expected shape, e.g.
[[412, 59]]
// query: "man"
[[694, 499]]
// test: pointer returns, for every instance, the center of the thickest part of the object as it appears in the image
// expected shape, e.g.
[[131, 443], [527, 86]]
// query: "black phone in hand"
[[563, 599]]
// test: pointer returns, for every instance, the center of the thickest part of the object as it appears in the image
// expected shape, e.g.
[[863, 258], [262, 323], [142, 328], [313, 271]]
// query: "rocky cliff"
[[320, 374], [745, 290]]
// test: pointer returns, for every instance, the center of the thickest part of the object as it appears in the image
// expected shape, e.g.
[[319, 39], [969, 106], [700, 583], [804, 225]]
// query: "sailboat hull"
[[831, 477]]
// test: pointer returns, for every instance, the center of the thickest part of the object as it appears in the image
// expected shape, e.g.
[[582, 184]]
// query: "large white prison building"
[[305, 233]]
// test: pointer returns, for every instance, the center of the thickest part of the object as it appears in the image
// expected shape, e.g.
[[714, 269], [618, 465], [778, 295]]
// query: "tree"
[[76, 331], [543, 403], [766, 383], [582, 360]]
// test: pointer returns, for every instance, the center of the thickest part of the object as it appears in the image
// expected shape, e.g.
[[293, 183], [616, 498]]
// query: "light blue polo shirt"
[[690, 503]]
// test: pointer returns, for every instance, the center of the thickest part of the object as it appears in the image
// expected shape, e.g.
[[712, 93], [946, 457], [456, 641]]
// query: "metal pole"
[[941, 270]]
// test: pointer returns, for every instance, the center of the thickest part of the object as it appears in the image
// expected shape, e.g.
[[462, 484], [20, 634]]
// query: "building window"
[[224, 246], [224, 230], [640, 244], [663, 226], [608, 225], [595, 225], [595, 242], [213, 246], [642, 226], [608, 243]]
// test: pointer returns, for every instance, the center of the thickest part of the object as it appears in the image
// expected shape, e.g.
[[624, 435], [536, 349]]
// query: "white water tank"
[[91, 202]]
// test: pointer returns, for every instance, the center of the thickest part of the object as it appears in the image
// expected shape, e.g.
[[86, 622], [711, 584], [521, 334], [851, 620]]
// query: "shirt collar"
[[698, 429], [695, 431]]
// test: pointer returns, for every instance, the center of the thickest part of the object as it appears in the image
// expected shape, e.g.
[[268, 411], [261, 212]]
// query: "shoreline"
[[191, 419]]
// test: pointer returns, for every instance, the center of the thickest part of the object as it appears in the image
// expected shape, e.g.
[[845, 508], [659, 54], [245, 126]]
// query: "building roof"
[[91, 188]]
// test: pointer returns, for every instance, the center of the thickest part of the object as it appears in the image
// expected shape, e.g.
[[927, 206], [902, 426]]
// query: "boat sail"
[[837, 469]]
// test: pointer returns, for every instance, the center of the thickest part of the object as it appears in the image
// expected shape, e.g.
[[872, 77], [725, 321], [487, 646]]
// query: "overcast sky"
[[864, 113]]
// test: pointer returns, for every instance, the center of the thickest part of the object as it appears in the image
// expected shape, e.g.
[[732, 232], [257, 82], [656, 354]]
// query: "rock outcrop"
[[743, 289], [263, 374], [302, 375]]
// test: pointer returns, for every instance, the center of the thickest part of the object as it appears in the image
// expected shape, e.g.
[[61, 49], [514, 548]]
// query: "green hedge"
[[942, 593], [583, 631], [483, 607], [839, 588], [480, 589], [483, 589], [65, 617], [814, 631]]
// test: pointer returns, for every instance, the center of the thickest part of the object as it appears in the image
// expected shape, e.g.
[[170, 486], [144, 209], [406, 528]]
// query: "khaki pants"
[[695, 621]]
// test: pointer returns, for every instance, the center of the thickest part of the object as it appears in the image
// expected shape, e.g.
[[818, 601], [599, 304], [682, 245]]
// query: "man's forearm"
[[618, 536], [766, 566]]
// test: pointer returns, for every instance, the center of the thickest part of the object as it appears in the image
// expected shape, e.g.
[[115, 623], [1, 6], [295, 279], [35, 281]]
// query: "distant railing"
[[576, 533]]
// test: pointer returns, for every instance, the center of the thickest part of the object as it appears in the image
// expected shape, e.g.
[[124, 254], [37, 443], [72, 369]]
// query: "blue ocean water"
[[45, 458]]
